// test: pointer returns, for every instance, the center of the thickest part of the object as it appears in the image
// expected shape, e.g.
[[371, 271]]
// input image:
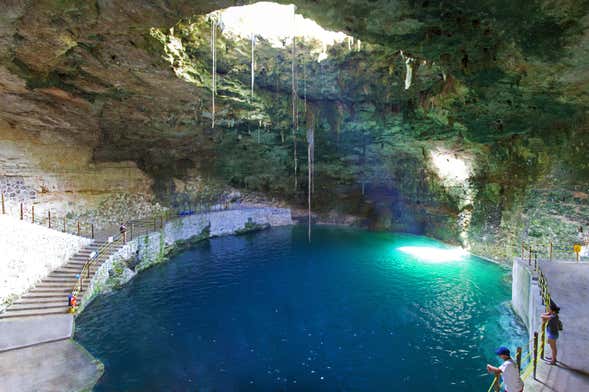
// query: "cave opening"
[[154, 127]]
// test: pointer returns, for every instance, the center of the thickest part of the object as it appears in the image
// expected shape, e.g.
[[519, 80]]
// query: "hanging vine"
[[253, 66], [310, 168], [213, 19], [294, 99]]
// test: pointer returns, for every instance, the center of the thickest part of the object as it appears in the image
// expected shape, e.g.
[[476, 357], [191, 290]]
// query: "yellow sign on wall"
[[577, 248]]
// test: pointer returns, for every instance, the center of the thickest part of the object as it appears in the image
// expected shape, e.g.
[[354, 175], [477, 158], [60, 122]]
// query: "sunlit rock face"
[[113, 97]]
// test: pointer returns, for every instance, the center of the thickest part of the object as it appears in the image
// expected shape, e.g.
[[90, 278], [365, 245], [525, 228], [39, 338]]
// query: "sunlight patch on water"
[[433, 254]]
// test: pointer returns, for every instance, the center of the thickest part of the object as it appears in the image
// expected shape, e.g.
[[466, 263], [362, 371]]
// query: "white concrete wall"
[[520, 291], [28, 253], [224, 222], [525, 296]]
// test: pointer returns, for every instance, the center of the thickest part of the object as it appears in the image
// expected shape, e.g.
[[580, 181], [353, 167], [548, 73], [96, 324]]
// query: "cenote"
[[269, 312]]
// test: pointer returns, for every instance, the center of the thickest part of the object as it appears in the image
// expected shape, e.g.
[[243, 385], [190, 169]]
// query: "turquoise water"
[[268, 312]]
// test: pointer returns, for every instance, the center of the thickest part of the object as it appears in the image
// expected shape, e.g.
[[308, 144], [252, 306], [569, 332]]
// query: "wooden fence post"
[[550, 250], [523, 250], [518, 359], [64, 218], [49, 218], [21, 212], [33, 214], [530, 256], [535, 363], [92, 228], [78, 228], [3, 208]]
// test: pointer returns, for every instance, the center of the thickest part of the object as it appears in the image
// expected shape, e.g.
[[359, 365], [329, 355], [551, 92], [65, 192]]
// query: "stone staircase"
[[50, 296]]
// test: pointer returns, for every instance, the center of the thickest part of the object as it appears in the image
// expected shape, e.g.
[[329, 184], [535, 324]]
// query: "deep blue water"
[[267, 312]]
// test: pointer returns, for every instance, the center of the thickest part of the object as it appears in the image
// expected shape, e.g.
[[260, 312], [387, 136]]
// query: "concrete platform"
[[60, 366], [26, 331], [568, 283]]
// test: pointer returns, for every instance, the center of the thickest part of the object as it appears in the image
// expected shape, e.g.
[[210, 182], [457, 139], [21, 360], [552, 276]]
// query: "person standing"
[[508, 371], [123, 230], [553, 327]]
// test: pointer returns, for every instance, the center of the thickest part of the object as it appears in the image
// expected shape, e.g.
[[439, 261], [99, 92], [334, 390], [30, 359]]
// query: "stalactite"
[[214, 67], [253, 66], [294, 98], [309, 178], [408, 70]]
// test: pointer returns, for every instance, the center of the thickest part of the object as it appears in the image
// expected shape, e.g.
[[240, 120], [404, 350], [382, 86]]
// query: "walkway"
[[568, 283], [50, 296], [36, 349], [50, 367]]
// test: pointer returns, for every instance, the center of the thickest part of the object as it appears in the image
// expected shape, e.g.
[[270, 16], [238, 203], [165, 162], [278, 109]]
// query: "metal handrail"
[[145, 226], [539, 342], [102, 251], [48, 219]]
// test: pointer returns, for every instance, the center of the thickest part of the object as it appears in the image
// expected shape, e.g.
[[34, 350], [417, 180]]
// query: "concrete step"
[[36, 330], [51, 290], [43, 296], [33, 312], [40, 300], [37, 306], [57, 285], [60, 279]]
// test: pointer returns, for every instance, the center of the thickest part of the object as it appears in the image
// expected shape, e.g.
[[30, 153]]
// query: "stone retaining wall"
[[152, 248]]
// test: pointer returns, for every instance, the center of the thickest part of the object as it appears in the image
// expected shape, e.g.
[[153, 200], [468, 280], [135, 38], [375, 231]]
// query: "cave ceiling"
[[91, 72]]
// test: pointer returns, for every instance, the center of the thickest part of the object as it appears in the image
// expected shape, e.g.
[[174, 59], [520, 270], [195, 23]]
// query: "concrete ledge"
[[58, 366], [40, 329]]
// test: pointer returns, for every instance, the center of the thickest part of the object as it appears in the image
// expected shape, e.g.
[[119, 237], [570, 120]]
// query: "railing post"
[[536, 261], [542, 339], [21, 212], [497, 383], [3, 208], [64, 219], [49, 218], [92, 228], [523, 250], [530, 257], [550, 250], [535, 363], [32, 214], [78, 228], [518, 359]]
